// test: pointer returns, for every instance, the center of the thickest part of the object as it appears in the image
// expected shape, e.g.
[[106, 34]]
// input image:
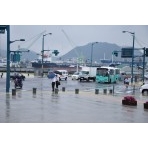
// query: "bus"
[[107, 75]]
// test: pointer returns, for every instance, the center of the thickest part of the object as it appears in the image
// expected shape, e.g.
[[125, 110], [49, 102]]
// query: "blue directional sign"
[[56, 52], [15, 57]]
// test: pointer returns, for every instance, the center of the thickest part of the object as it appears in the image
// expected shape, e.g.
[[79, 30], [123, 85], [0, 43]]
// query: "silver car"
[[75, 76]]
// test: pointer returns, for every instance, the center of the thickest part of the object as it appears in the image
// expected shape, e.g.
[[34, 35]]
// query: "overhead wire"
[[36, 38], [73, 45], [140, 43]]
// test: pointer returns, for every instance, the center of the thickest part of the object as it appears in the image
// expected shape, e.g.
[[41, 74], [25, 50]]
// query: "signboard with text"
[[126, 52]]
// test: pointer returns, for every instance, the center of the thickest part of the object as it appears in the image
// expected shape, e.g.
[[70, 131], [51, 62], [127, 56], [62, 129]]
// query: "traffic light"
[[115, 53], [2, 29], [56, 52], [146, 52]]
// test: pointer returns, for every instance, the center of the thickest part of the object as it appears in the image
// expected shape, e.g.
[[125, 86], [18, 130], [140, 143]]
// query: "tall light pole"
[[42, 52], [2, 30], [133, 34], [92, 51], [8, 60]]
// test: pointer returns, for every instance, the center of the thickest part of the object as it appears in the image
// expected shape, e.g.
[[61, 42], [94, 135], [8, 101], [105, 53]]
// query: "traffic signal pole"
[[144, 53], [133, 58], [8, 59]]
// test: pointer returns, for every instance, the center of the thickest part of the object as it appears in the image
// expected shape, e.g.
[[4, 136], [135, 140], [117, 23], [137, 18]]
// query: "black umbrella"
[[58, 72]]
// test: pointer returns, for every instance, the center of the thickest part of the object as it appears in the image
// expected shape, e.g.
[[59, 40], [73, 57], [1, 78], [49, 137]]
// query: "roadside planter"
[[129, 100], [146, 105]]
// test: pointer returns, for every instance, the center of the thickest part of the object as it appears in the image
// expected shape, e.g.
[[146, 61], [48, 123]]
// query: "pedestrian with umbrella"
[[52, 76]]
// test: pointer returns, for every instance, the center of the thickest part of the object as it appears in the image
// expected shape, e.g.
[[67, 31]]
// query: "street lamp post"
[[92, 51], [42, 52], [2, 30], [8, 61], [133, 34], [17, 40]]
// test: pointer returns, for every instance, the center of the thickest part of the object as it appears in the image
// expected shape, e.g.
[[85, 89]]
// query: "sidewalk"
[[67, 106]]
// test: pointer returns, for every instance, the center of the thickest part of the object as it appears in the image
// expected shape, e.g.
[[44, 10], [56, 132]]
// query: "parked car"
[[15, 75], [144, 89], [75, 76]]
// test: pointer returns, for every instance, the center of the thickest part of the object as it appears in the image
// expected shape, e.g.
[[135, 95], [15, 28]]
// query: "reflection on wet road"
[[68, 107]]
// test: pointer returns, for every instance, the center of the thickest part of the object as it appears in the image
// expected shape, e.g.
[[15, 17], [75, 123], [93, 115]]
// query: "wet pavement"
[[67, 106]]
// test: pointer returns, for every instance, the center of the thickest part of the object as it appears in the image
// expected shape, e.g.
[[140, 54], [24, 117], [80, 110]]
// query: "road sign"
[[56, 52], [2, 29], [126, 52], [15, 57]]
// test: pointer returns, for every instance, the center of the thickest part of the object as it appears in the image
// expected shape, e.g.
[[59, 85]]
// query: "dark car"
[[17, 75]]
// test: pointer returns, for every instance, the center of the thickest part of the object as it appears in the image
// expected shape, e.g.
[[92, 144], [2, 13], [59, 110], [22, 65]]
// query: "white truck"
[[87, 73]]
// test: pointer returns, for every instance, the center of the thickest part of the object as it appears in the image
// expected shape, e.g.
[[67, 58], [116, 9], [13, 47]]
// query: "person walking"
[[53, 82], [126, 81], [57, 81], [2, 75]]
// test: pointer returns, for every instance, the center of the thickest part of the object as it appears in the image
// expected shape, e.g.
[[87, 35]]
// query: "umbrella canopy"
[[58, 72], [51, 75]]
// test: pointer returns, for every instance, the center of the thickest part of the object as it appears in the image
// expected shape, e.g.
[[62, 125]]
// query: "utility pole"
[[42, 52]]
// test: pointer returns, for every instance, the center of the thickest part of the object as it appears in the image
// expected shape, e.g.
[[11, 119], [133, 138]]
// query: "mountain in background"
[[100, 50]]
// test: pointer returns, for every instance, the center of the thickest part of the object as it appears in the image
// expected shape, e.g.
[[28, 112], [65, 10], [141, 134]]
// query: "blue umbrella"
[[51, 75]]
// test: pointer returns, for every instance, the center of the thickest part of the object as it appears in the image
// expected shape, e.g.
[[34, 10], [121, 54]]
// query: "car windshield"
[[76, 73], [85, 72]]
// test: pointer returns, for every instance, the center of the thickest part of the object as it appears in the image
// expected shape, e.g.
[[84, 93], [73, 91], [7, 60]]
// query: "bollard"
[[113, 88], [63, 88], [133, 89], [34, 90], [105, 91], [13, 92], [76, 91], [96, 91], [110, 91], [56, 90], [136, 78]]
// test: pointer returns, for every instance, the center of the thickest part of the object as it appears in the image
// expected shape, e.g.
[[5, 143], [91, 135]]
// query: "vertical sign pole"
[[133, 58], [8, 59], [143, 64]]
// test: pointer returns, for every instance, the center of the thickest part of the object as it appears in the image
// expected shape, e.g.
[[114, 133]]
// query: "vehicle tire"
[[110, 81], [80, 79], [145, 92], [66, 79]]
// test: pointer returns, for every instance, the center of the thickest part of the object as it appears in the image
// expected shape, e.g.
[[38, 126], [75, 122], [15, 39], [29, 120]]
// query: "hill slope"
[[100, 50]]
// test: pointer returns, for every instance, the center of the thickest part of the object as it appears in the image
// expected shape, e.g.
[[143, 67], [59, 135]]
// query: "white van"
[[64, 75]]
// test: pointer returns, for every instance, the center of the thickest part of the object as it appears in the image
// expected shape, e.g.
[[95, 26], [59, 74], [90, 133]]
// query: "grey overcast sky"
[[83, 22], [66, 37]]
